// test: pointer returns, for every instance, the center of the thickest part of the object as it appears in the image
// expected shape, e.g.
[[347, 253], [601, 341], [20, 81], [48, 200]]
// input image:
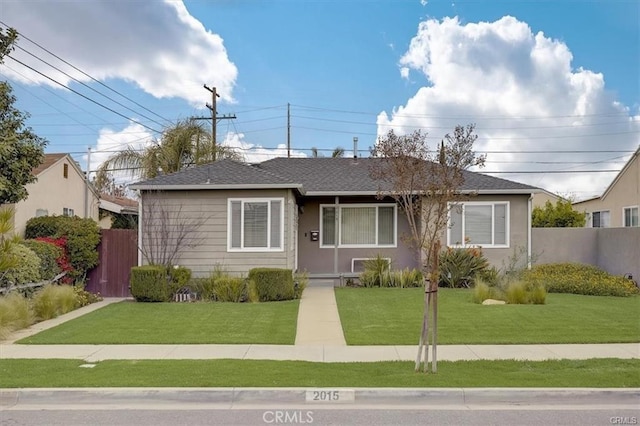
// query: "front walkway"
[[318, 318]]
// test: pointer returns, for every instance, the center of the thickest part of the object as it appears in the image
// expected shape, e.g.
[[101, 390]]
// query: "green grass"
[[179, 323], [381, 316], [30, 373]]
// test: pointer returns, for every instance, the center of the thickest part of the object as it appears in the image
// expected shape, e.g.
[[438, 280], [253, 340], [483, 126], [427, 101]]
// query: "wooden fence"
[[118, 252]]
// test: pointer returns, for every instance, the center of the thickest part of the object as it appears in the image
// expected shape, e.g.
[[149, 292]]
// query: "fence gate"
[[118, 252]]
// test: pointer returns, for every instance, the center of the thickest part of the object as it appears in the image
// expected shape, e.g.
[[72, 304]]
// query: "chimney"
[[355, 147]]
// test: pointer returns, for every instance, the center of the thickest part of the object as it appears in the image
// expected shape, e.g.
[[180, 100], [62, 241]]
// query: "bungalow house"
[[60, 189], [316, 214], [619, 204]]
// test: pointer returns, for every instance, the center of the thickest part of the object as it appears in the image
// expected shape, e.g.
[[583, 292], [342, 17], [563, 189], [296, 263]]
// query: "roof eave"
[[525, 191], [204, 187]]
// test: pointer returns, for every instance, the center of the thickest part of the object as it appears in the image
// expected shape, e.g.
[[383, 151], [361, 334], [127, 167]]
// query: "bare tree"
[[426, 184], [166, 232]]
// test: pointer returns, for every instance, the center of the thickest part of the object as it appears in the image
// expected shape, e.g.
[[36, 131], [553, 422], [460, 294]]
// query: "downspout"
[[529, 212], [336, 236]]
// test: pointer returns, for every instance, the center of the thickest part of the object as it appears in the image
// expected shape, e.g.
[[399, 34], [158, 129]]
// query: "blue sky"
[[535, 76]]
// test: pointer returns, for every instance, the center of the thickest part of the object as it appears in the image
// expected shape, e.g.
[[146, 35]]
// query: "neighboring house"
[[540, 198], [319, 215], [60, 189], [114, 208], [619, 205]]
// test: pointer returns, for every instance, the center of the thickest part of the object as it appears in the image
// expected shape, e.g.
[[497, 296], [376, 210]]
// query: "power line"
[[86, 74], [89, 87], [83, 96]]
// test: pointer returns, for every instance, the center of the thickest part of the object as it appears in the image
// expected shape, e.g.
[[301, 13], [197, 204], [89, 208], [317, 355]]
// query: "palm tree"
[[338, 152], [181, 146]]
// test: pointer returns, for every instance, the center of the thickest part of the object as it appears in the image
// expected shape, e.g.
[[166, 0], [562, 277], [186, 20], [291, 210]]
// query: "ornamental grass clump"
[[54, 300], [15, 314], [578, 278]]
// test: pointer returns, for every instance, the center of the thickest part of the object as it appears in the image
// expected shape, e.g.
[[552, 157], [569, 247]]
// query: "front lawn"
[[391, 316], [178, 323], [601, 373]]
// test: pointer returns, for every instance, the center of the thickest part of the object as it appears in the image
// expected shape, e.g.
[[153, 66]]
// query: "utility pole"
[[214, 118], [288, 130]]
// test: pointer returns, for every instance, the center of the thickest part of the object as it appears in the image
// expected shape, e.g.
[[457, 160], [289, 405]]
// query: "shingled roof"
[[223, 174], [48, 161], [311, 176]]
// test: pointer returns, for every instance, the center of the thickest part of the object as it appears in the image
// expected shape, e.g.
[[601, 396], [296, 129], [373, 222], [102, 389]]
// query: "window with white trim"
[[630, 216], [255, 224], [358, 225], [67, 212], [479, 224], [601, 219]]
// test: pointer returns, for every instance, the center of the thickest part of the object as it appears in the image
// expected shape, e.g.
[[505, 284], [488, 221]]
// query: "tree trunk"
[[423, 330]]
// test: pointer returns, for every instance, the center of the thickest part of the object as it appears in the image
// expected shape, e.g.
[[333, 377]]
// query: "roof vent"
[[355, 147]]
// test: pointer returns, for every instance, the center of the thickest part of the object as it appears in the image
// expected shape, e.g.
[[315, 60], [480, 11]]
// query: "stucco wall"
[[53, 192], [616, 250], [320, 260], [207, 211]]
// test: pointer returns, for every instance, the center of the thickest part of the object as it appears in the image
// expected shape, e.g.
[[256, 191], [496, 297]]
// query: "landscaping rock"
[[494, 302]]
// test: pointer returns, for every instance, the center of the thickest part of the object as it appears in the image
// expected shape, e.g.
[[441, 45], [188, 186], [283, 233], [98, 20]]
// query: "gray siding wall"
[[209, 209], [616, 250]]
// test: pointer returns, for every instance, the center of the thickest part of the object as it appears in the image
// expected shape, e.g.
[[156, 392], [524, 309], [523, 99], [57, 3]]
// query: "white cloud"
[[523, 94], [253, 153], [157, 46], [112, 141]]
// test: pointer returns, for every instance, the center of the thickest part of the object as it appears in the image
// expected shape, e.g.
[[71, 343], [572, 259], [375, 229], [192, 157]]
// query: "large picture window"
[[479, 224], [255, 224], [358, 225]]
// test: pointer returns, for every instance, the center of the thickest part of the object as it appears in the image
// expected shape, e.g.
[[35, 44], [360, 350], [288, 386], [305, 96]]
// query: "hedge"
[[272, 283], [149, 283]]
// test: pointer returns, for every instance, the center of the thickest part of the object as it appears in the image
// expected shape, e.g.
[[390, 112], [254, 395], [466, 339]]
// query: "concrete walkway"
[[318, 318]]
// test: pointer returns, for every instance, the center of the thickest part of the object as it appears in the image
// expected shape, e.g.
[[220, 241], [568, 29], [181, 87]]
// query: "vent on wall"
[[357, 263], [65, 171]]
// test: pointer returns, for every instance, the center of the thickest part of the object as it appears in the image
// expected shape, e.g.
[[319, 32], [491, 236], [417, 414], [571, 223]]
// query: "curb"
[[327, 397]]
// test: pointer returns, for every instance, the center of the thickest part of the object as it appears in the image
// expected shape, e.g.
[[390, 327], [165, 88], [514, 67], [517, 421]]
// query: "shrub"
[[376, 272], [579, 279], [27, 270], [521, 293], [83, 297], [15, 314], [82, 239], [459, 266], [63, 259], [149, 283], [179, 277], [272, 283], [203, 287], [49, 254], [300, 282], [405, 278], [53, 300], [230, 289]]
